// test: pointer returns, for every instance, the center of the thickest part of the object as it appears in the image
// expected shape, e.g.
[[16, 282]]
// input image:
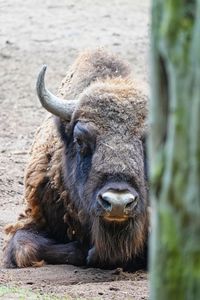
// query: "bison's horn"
[[57, 106]]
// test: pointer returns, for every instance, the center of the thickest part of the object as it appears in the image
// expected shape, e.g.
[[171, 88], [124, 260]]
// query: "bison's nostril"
[[131, 203], [104, 202]]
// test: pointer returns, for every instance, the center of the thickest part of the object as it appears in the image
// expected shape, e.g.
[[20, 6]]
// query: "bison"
[[85, 183]]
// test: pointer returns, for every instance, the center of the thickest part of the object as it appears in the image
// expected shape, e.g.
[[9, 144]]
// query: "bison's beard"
[[117, 243]]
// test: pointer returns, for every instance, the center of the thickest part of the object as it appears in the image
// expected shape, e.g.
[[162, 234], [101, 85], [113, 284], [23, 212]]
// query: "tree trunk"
[[174, 150]]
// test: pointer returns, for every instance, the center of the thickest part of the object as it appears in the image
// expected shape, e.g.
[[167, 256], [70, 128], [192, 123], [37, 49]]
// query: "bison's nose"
[[117, 203]]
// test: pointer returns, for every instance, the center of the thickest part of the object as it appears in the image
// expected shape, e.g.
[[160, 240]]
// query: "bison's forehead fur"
[[114, 105], [89, 67]]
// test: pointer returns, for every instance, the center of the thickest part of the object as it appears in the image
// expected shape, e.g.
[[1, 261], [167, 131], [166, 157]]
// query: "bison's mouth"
[[115, 219]]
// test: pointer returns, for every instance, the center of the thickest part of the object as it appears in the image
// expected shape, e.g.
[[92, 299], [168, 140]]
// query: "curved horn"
[[57, 106]]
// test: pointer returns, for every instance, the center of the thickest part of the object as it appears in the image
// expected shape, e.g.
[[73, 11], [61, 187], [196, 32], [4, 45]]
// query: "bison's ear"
[[57, 106]]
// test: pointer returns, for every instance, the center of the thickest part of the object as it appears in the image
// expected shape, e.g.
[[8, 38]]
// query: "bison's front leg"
[[70, 253], [27, 248]]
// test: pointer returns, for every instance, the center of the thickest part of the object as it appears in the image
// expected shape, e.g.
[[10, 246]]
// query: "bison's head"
[[104, 166]]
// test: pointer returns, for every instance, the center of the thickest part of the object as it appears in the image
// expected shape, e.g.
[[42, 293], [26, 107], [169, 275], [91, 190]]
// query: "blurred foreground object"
[[174, 150]]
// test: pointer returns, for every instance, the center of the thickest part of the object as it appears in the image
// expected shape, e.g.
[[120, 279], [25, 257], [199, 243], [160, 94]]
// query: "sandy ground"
[[34, 32]]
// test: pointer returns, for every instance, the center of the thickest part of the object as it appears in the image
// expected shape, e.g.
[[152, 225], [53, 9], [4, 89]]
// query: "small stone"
[[117, 271], [112, 288]]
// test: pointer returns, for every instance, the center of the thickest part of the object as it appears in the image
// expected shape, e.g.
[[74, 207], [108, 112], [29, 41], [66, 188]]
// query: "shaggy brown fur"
[[60, 205]]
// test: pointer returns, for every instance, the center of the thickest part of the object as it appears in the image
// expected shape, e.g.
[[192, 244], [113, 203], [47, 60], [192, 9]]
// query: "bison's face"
[[105, 171]]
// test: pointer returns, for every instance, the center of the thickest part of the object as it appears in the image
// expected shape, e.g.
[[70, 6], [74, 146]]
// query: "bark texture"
[[174, 150]]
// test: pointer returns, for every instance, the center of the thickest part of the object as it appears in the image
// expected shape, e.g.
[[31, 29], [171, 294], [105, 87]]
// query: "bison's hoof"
[[92, 257]]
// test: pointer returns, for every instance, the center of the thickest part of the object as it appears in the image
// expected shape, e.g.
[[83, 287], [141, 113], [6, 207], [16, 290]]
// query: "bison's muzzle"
[[117, 202]]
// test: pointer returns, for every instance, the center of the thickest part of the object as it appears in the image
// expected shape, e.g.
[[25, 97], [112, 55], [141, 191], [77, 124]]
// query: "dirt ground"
[[34, 32]]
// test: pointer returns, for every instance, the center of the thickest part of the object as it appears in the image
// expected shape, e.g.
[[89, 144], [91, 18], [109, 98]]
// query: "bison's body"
[[75, 162]]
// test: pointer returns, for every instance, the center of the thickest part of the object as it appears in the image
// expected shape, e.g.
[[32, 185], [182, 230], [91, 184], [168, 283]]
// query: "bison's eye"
[[82, 146], [78, 141]]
